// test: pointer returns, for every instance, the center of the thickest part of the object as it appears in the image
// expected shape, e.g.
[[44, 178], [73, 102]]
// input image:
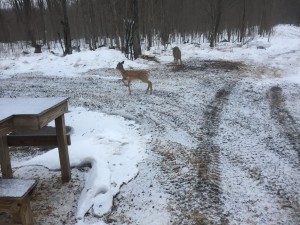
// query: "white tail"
[[131, 75], [177, 56]]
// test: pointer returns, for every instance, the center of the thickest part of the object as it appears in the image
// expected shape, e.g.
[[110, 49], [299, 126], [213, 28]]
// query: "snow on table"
[[15, 188], [26, 106]]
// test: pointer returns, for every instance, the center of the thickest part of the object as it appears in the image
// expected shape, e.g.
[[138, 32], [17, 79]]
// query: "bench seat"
[[43, 137], [15, 199]]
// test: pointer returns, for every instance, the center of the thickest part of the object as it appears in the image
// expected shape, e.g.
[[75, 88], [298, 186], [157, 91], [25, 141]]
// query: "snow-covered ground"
[[118, 149], [281, 52]]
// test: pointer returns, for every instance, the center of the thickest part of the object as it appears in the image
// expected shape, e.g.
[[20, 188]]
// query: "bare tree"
[[23, 10], [115, 22], [5, 35], [243, 21], [128, 48], [66, 29], [59, 20], [87, 8], [41, 6], [136, 33], [148, 20], [215, 10]]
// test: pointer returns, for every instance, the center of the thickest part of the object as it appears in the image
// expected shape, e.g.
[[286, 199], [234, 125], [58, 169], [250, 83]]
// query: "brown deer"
[[131, 75], [177, 56]]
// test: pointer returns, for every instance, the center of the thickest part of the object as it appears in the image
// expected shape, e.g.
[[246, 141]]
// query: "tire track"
[[288, 127], [286, 122], [207, 160], [197, 199], [258, 158]]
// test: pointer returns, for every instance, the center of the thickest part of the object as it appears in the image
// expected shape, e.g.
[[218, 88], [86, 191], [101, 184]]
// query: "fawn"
[[177, 55], [131, 75]]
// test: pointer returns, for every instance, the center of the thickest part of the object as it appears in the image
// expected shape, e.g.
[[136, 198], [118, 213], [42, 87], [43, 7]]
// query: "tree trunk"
[[149, 36], [216, 19], [4, 28], [136, 36], [92, 25], [66, 29], [243, 25], [112, 6], [23, 11], [128, 46], [42, 13], [28, 22]]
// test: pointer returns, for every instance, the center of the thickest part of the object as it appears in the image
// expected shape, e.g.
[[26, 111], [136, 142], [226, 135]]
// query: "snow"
[[281, 51], [71, 65], [113, 145], [19, 188], [26, 106]]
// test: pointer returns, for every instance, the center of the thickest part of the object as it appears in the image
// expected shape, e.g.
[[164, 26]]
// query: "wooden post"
[[63, 148], [25, 212], [5, 159]]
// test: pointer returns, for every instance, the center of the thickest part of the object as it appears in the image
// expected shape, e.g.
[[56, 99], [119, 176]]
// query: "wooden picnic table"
[[21, 114]]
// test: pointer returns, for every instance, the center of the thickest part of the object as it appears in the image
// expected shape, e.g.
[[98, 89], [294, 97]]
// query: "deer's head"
[[120, 66]]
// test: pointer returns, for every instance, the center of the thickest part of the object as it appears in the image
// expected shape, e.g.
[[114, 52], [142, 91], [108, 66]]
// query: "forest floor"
[[225, 144]]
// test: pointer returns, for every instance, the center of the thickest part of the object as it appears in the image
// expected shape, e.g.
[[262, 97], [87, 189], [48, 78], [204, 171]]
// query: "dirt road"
[[225, 143]]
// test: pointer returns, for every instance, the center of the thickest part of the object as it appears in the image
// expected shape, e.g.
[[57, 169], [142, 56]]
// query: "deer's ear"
[[122, 62]]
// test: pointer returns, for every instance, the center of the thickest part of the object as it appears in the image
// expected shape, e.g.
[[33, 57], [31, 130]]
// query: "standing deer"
[[177, 55], [131, 75]]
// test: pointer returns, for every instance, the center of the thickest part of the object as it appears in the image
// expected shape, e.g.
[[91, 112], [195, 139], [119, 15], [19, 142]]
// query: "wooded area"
[[128, 24]]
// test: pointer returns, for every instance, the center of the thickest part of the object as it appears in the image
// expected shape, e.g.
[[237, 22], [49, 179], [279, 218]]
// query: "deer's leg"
[[129, 87], [124, 82], [149, 87]]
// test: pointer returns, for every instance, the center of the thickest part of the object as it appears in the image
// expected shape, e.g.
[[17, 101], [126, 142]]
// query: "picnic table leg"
[[5, 159], [63, 148], [24, 214]]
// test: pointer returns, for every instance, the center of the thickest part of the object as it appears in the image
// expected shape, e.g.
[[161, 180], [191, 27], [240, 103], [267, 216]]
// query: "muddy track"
[[289, 128], [199, 199], [283, 117], [207, 155]]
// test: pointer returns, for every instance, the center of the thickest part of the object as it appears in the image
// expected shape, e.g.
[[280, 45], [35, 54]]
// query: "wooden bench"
[[43, 137], [15, 199]]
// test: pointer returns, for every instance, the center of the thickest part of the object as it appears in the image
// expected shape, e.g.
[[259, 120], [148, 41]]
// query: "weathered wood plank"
[[25, 214], [63, 148], [5, 158], [9, 206], [35, 122], [28, 122], [53, 114], [43, 137], [6, 126], [36, 141]]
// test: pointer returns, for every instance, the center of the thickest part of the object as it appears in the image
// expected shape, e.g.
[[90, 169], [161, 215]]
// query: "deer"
[[130, 75], [177, 56], [165, 40]]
